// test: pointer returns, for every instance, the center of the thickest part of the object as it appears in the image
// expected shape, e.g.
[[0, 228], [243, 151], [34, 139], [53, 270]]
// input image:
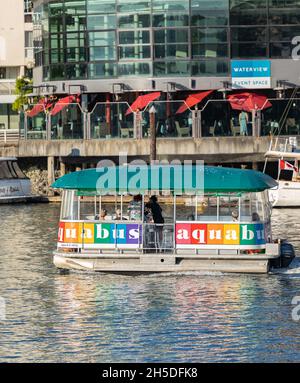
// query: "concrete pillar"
[[51, 175], [62, 169]]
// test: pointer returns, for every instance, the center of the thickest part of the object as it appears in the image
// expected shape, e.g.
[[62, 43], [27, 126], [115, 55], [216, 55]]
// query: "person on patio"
[[243, 120]]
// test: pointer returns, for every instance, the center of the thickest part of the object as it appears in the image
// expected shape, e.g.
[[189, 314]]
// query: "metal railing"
[[9, 135]]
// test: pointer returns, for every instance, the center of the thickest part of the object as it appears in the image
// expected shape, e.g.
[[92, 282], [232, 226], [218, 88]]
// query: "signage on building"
[[251, 74]]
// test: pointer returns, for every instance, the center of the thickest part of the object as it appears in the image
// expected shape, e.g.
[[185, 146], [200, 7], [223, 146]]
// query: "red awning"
[[248, 101], [193, 99], [142, 101], [63, 103]]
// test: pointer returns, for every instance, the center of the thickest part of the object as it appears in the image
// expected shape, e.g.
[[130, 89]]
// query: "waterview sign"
[[218, 235], [99, 235], [251, 74]]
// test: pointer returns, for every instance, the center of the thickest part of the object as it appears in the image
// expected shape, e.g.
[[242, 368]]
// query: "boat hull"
[[287, 194], [162, 263]]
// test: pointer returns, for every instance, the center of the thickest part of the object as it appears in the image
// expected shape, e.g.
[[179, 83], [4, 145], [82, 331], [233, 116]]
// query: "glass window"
[[100, 70], [171, 36], [76, 54], [180, 51], [209, 50], [75, 71], [56, 56], [252, 12], [101, 22], [248, 50], [102, 53], [102, 38], [209, 35], [56, 24], [209, 13], [134, 69], [281, 50], [166, 20], [284, 16], [134, 21], [134, 37], [135, 52], [103, 6], [248, 34], [279, 33], [57, 72], [170, 5], [210, 68], [56, 41], [178, 68], [125, 6], [74, 40]]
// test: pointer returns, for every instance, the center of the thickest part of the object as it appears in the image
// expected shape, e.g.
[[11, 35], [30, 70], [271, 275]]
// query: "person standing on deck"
[[243, 120]]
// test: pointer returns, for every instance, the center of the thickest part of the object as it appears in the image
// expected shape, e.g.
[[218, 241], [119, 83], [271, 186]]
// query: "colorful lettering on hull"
[[217, 234], [99, 235]]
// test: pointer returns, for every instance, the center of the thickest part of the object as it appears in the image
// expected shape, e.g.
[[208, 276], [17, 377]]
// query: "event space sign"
[[99, 235], [220, 235], [251, 74]]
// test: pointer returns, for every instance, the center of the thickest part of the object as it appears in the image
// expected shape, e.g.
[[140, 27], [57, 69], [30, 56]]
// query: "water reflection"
[[103, 318]]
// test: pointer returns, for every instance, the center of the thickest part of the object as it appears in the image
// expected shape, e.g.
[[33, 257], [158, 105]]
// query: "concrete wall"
[[12, 38], [212, 149]]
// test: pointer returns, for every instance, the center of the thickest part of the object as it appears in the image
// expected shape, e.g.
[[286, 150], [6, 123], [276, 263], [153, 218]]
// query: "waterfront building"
[[16, 56]]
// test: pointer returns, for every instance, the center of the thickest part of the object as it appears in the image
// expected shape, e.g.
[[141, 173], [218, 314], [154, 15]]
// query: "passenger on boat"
[[103, 215], [235, 215], [157, 217], [148, 217], [118, 216], [255, 217]]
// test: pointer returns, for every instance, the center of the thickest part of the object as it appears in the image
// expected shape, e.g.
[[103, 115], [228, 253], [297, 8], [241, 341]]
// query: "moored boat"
[[15, 187], [227, 228], [286, 152]]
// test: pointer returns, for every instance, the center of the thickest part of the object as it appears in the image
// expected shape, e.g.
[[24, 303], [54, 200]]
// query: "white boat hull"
[[286, 195], [15, 190]]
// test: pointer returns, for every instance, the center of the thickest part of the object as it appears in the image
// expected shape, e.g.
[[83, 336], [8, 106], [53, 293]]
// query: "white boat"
[[15, 187], [231, 232], [285, 150]]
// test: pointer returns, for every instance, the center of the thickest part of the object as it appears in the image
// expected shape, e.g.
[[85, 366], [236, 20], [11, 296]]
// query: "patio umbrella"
[[37, 109], [63, 103], [248, 101], [142, 101], [193, 99]]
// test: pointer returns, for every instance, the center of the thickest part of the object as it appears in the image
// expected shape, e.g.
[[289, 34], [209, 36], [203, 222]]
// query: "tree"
[[23, 89]]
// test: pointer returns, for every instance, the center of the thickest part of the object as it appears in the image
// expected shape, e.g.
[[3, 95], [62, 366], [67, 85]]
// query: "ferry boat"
[[228, 228], [287, 153], [15, 187]]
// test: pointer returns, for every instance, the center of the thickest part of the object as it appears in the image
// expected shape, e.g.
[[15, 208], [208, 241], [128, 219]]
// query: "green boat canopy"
[[142, 179]]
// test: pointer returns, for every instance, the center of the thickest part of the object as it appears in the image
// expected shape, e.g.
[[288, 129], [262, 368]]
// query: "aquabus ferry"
[[222, 225]]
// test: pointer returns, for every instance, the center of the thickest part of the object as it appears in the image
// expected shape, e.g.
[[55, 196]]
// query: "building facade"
[[16, 55], [149, 44]]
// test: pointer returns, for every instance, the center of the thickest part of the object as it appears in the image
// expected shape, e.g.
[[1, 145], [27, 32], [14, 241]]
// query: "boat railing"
[[283, 144]]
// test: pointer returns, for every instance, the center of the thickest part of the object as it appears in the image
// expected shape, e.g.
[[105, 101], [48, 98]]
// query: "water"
[[168, 318]]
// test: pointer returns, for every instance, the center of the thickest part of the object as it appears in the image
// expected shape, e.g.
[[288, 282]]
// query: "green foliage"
[[23, 88]]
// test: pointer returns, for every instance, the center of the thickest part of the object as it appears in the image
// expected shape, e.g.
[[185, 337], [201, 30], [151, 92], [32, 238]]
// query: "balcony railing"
[[115, 120]]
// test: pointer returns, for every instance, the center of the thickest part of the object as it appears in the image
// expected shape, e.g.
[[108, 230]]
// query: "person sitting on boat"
[[235, 215], [103, 215], [255, 217], [118, 215]]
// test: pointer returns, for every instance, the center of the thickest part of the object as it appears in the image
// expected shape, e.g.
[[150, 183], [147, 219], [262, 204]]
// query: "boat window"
[[197, 208], [252, 207], [5, 172], [70, 206], [229, 208]]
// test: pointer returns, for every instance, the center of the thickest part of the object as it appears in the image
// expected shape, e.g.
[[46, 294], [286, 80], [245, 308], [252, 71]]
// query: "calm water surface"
[[167, 318]]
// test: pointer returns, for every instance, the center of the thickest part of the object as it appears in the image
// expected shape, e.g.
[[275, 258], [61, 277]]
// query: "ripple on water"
[[190, 317]]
